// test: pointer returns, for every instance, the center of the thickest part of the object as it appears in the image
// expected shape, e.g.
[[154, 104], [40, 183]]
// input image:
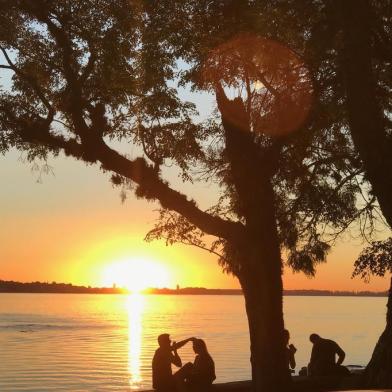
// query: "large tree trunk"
[[262, 287], [371, 141], [260, 274], [379, 370], [261, 281], [364, 111]]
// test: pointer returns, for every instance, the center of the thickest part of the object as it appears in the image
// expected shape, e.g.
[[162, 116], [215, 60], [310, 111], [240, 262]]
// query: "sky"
[[70, 225]]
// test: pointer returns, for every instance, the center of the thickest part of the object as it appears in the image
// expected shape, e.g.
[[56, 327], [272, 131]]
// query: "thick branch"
[[75, 97], [151, 186], [365, 113], [89, 66], [94, 149]]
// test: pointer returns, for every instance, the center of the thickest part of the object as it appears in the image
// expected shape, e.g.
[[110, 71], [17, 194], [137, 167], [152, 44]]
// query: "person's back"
[[204, 369], [326, 350], [323, 357], [162, 379], [164, 357]]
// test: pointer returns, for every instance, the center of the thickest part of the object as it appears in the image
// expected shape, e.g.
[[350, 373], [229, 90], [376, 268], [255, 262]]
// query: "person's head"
[[199, 346], [314, 338], [164, 340], [286, 336]]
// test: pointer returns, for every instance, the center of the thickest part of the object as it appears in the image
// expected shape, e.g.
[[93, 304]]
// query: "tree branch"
[[31, 82], [93, 148], [88, 69], [152, 187]]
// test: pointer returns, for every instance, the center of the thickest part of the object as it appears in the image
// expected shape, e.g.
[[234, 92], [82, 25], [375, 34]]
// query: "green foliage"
[[375, 259], [92, 72], [319, 175], [101, 50]]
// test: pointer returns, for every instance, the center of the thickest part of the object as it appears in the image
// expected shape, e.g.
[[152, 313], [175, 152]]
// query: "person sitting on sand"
[[323, 358], [199, 375], [164, 357], [290, 352]]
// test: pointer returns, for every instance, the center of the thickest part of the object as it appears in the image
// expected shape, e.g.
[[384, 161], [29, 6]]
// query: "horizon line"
[[178, 288]]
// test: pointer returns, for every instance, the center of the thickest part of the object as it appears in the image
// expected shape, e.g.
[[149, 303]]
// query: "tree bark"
[[262, 289], [260, 274], [378, 373], [364, 111], [373, 144], [261, 281]]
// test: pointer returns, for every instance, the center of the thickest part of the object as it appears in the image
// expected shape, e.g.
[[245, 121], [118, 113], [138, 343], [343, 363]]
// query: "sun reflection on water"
[[135, 306]]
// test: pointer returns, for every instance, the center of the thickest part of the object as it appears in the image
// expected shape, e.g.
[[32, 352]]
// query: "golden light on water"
[[136, 274], [135, 306]]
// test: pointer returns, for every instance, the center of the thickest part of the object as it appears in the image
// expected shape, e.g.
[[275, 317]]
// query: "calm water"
[[62, 342]]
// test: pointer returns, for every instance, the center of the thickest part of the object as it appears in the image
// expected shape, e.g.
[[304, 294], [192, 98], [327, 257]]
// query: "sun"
[[136, 274]]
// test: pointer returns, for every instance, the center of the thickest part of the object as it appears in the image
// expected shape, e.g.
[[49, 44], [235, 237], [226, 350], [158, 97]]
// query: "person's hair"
[[314, 337], [200, 345], [163, 338]]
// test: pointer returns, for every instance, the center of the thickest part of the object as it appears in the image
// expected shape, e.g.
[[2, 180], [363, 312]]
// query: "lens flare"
[[272, 81]]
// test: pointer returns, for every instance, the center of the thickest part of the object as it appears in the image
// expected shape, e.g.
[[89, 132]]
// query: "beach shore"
[[300, 384]]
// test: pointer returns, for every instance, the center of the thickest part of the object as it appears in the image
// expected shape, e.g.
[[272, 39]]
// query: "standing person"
[[199, 375], [323, 358], [290, 352], [164, 357]]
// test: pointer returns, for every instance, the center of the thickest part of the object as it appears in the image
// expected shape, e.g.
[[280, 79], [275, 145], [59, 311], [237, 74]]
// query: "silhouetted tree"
[[91, 75], [366, 59], [348, 47], [377, 260]]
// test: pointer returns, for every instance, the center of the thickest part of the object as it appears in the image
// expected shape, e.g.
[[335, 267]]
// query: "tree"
[[90, 75], [377, 260], [347, 45], [366, 56]]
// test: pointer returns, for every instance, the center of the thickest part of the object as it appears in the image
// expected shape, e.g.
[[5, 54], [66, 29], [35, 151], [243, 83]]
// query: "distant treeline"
[[53, 287], [46, 287]]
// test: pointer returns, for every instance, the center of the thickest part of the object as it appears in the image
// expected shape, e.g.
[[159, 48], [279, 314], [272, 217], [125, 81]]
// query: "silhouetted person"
[[323, 358], [290, 352], [164, 357], [199, 375]]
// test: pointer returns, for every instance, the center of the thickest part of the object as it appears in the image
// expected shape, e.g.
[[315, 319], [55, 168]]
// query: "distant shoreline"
[[67, 288]]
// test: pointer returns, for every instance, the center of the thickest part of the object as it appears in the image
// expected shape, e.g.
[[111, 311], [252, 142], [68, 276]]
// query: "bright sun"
[[136, 274]]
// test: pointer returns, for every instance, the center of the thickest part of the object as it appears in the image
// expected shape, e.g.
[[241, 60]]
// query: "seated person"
[[290, 352], [164, 357], [323, 358], [199, 375]]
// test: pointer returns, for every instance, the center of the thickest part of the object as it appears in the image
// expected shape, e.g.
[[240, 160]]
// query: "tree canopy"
[[94, 77], [86, 75]]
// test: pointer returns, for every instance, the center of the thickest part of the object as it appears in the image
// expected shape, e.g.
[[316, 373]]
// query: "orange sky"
[[72, 227]]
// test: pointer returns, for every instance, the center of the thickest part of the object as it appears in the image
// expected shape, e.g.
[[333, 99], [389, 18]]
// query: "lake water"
[[71, 342]]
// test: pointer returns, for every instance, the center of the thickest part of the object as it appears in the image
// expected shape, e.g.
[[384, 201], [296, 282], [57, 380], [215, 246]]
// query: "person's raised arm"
[[178, 345], [175, 358], [341, 355]]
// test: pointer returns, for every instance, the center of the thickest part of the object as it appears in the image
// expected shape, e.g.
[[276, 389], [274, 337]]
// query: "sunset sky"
[[71, 226]]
